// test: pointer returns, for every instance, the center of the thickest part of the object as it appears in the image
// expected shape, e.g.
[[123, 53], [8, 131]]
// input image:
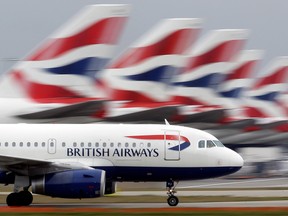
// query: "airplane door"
[[172, 145], [52, 146]]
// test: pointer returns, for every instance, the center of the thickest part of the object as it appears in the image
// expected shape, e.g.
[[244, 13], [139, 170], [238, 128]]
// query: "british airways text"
[[106, 152]]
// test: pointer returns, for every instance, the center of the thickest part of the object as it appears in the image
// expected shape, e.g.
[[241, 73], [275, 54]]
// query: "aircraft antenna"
[[166, 122]]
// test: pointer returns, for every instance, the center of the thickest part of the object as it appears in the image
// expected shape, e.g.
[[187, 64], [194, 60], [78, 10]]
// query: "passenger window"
[[111, 144], [201, 144], [13, 144], [21, 144], [134, 145], [82, 144], [63, 144], [148, 145], [210, 144], [6, 144], [28, 144], [96, 144], [126, 145], [74, 144], [119, 145], [35, 144], [89, 144], [43, 144], [104, 144]]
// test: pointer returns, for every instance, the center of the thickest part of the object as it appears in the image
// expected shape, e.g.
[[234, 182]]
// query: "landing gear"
[[23, 198], [172, 199], [20, 197]]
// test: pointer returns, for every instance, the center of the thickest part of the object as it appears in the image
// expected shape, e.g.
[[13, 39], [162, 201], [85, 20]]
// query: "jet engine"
[[110, 187], [71, 184]]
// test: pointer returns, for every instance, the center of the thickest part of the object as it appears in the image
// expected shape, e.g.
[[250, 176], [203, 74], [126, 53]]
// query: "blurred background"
[[228, 76]]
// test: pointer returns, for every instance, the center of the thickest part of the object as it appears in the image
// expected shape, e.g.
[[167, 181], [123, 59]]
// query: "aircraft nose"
[[236, 160]]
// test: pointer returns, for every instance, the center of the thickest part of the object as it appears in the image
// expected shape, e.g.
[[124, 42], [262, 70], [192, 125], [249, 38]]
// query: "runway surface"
[[214, 183], [275, 189], [165, 205]]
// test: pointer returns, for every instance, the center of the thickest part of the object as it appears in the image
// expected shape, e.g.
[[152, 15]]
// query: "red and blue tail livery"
[[138, 80], [66, 64], [207, 65]]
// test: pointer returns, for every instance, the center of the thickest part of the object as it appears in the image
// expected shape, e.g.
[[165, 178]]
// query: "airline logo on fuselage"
[[183, 141]]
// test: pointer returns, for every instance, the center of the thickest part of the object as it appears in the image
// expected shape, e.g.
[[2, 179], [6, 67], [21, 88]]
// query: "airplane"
[[206, 65], [58, 80], [137, 80], [88, 161]]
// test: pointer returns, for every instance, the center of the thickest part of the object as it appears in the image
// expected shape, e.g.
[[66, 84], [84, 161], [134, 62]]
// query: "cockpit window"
[[201, 144], [218, 143], [210, 144]]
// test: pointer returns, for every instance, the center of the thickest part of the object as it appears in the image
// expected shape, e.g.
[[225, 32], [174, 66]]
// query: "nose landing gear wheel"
[[172, 201]]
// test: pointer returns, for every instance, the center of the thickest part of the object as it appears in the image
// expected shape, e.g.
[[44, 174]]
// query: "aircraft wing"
[[32, 167], [86, 108]]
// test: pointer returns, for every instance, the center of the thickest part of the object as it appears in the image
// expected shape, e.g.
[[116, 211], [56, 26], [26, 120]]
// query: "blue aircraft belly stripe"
[[125, 173], [86, 67]]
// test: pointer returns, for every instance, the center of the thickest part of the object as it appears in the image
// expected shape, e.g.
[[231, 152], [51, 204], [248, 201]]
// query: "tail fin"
[[262, 97], [208, 63], [236, 83], [240, 77], [273, 82], [65, 64], [142, 72]]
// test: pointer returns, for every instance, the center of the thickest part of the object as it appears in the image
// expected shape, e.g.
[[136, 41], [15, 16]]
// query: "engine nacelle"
[[6, 177], [71, 184], [110, 187]]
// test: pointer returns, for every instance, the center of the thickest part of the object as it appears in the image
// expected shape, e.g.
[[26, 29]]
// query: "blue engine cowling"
[[6, 177], [71, 184]]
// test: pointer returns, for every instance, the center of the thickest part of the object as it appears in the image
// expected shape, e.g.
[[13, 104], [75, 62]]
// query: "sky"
[[25, 23]]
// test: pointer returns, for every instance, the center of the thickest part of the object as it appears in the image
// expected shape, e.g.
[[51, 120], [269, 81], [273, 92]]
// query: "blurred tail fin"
[[261, 99], [149, 64], [240, 77], [207, 65], [65, 65]]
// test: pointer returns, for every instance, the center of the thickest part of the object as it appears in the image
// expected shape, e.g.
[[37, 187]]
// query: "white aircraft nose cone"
[[237, 160]]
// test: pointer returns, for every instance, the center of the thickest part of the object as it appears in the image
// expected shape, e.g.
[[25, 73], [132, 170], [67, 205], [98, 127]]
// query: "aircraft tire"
[[172, 201], [25, 198], [12, 199]]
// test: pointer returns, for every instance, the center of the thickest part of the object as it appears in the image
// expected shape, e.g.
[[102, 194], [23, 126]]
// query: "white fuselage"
[[126, 152]]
